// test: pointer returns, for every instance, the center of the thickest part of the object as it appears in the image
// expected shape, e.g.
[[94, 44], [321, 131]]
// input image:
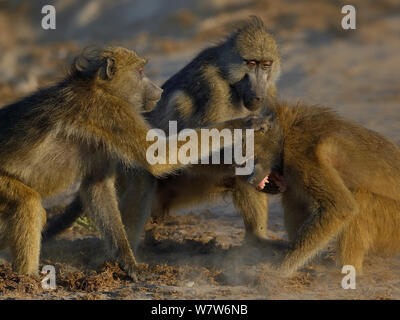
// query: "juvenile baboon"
[[338, 180], [78, 129], [235, 78]]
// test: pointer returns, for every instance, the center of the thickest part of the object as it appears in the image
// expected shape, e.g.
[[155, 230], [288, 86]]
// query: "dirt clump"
[[11, 282], [110, 276]]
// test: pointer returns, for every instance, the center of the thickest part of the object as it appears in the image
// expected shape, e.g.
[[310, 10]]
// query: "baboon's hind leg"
[[136, 204], [23, 217], [352, 246], [375, 229], [295, 213]]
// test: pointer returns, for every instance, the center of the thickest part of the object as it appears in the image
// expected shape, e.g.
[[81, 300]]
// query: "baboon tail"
[[64, 220]]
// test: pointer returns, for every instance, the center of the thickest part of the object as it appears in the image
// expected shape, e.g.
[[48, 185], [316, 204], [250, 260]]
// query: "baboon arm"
[[335, 205], [99, 198], [118, 130], [64, 220], [122, 135], [162, 169]]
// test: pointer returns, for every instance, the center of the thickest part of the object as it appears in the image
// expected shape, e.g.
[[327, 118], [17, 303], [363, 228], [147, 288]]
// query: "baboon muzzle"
[[252, 92]]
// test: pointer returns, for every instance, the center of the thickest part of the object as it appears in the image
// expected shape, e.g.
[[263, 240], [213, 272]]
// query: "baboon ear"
[[110, 68], [81, 64]]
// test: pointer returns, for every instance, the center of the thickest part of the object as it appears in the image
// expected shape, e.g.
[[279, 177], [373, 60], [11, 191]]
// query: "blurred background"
[[354, 71]]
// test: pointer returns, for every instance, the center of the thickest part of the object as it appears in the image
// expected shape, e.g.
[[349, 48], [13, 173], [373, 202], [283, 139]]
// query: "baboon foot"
[[288, 266], [128, 264], [29, 270]]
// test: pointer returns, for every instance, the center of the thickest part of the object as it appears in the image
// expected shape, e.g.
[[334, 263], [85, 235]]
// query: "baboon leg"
[[184, 190], [336, 207], [99, 197], [136, 205], [375, 229], [23, 216], [163, 202], [63, 221], [352, 246], [384, 213], [295, 213], [253, 206], [356, 238], [146, 196]]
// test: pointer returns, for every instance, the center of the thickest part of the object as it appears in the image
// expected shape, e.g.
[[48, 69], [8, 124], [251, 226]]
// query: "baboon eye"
[[251, 63], [266, 64]]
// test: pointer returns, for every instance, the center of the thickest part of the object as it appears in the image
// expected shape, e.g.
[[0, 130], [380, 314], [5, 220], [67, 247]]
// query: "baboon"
[[78, 129], [338, 180], [235, 78]]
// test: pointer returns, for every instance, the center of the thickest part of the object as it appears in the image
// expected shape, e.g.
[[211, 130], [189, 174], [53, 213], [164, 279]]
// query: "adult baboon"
[[233, 79], [338, 180], [78, 129]]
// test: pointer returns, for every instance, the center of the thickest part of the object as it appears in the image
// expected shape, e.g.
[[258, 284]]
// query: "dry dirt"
[[198, 253]]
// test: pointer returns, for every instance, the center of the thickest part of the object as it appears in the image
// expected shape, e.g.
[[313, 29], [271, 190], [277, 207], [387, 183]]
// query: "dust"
[[178, 262]]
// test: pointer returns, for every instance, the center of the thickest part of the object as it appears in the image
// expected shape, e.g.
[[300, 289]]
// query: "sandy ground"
[[198, 253]]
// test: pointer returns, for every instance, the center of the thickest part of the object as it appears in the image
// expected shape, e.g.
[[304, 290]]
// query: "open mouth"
[[263, 182], [274, 179]]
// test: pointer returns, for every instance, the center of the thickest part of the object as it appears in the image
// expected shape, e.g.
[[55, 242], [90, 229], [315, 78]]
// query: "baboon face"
[[126, 70], [254, 63], [152, 93], [268, 149], [252, 88], [120, 72], [133, 86]]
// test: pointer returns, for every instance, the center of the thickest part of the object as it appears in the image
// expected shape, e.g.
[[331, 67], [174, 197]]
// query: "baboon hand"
[[262, 124]]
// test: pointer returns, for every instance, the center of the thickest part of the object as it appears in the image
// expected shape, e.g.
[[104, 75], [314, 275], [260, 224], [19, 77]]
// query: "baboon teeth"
[[262, 184]]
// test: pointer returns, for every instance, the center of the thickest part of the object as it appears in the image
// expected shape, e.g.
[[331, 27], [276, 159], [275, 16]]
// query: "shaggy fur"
[[343, 182]]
